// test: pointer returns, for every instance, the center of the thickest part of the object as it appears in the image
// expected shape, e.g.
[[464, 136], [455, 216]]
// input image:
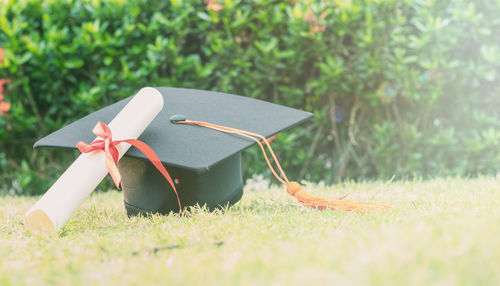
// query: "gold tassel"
[[305, 198], [293, 188]]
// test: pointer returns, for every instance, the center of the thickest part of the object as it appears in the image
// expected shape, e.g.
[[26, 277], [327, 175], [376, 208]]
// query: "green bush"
[[405, 88]]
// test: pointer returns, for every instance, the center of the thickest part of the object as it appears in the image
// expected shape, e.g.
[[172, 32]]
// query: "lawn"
[[439, 232]]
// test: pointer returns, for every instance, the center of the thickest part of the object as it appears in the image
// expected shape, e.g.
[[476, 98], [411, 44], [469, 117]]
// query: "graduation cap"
[[197, 135], [205, 163]]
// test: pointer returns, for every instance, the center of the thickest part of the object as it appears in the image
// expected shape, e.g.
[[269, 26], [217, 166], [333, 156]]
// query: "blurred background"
[[398, 88]]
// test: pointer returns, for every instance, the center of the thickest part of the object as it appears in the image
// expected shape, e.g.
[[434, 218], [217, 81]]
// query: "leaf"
[[74, 64], [24, 58], [204, 16]]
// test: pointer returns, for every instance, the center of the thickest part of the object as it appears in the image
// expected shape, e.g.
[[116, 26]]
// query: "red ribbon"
[[108, 146]]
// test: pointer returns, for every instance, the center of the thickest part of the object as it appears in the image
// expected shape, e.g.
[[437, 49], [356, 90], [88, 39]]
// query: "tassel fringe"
[[306, 199]]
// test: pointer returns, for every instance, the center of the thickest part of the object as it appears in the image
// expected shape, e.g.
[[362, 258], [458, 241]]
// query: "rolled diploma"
[[62, 199]]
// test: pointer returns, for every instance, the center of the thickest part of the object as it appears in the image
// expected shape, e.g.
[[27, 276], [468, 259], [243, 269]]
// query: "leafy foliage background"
[[406, 88]]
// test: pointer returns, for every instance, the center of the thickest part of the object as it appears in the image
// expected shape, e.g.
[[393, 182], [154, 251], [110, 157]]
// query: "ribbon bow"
[[108, 146]]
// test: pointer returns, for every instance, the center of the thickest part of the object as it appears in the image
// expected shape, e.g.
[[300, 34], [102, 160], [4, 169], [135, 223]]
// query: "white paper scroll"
[[88, 170]]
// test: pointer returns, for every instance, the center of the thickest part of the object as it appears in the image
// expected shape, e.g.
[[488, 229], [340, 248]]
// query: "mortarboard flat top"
[[190, 147]]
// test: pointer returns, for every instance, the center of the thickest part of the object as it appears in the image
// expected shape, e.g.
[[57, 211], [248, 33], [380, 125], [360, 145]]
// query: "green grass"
[[439, 232]]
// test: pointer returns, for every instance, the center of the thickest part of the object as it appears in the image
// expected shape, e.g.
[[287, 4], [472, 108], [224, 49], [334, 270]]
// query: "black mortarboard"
[[206, 164]]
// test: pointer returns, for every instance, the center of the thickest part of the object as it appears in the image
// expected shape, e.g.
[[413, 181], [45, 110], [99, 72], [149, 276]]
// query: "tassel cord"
[[251, 136]]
